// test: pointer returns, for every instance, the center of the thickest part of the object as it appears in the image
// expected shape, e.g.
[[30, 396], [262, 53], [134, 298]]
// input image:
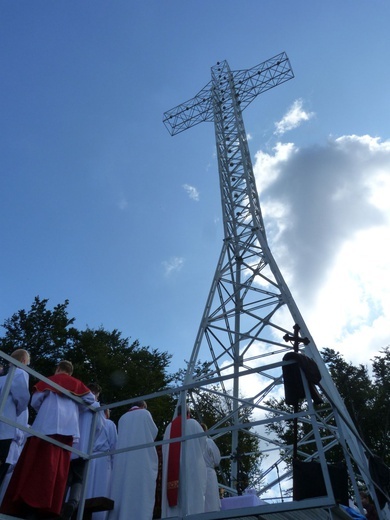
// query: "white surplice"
[[133, 484], [16, 402], [212, 457], [100, 469]]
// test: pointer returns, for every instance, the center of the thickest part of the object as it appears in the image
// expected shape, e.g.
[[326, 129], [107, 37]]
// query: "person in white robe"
[[14, 451], [16, 403], [38, 482], [212, 457], [191, 497], [100, 469], [135, 472], [81, 443]]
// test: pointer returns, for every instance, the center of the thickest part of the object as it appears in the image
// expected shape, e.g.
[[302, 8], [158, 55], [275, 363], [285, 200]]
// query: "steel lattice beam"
[[249, 84]]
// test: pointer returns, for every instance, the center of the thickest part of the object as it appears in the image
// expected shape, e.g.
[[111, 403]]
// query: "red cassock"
[[40, 476], [39, 479]]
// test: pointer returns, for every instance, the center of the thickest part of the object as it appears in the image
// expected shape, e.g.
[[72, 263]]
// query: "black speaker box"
[[308, 481]]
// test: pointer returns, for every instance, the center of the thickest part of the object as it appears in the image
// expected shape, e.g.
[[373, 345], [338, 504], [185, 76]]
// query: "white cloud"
[[173, 265], [327, 217], [123, 204], [267, 167], [192, 192], [293, 118]]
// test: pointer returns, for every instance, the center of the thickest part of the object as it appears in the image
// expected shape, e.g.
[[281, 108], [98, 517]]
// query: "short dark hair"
[[65, 366], [95, 388]]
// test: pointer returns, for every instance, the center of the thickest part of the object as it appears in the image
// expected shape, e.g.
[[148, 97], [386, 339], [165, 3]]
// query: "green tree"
[[46, 334], [355, 387], [378, 428], [367, 399], [122, 368]]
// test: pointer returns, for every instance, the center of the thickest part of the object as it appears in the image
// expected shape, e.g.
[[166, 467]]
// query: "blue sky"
[[101, 206]]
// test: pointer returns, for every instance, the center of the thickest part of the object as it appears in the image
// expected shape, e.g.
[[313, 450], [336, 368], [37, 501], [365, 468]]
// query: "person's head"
[[95, 389], [107, 413], [21, 355], [140, 404], [64, 367]]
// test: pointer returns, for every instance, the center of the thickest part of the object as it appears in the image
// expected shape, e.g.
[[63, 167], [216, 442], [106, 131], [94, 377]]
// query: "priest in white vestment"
[[100, 469], [133, 485], [188, 499], [77, 465], [212, 457]]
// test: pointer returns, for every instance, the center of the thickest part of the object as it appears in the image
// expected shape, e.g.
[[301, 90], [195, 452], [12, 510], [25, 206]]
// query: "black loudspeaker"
[[293, 385], [308, 481]]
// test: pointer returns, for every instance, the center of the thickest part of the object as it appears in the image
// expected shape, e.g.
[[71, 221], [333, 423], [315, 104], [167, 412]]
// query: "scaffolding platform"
[[287, 511]]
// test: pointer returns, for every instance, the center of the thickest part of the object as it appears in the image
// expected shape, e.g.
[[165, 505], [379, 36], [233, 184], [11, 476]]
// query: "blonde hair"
[[21, 355]]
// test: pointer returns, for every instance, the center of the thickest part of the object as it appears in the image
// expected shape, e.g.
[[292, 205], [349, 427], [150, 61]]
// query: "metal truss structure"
[[245, 339], [244, 332]]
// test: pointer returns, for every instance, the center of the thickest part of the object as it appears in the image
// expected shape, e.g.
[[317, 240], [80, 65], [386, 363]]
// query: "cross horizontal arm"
[[190, 113], [249, 83]]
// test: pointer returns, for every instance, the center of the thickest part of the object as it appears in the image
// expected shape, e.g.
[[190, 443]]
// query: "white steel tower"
[[246, 327]]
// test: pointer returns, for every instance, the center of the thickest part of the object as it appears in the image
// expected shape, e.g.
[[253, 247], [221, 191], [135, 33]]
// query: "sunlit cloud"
[[173, 265], [192, 192], [268, 166], [327, 218], [293, 118]]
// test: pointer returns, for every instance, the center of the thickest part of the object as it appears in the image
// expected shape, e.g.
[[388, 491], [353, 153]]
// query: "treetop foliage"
[[123, 369]]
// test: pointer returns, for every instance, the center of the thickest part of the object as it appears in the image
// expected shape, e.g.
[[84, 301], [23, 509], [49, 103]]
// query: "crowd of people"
[[44, 479]]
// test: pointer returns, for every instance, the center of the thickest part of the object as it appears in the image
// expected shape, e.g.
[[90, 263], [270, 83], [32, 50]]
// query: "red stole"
[[174, 463], [70, 383]]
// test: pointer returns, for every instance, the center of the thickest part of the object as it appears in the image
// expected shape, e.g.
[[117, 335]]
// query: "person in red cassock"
[[37, 486]]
